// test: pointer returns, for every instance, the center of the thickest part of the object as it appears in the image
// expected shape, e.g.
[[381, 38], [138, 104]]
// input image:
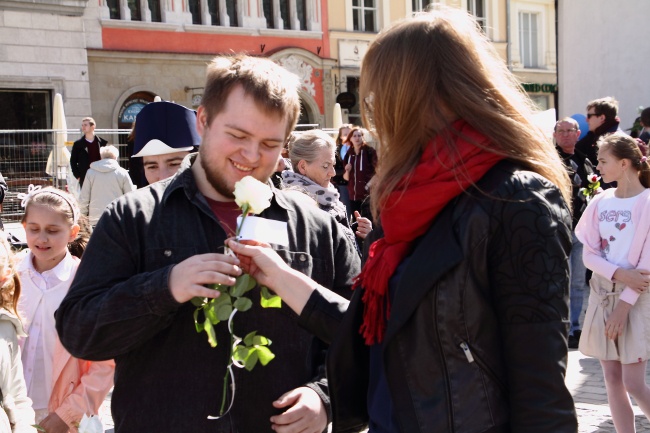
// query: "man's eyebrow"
[[237, 128], [150, 163], [175, 158]]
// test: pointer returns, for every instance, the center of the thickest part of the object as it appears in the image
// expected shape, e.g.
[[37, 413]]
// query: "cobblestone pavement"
[[585, 381]]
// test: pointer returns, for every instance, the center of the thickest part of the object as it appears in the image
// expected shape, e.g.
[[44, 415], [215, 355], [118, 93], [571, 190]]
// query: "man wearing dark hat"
[[157, 248], [165, 133]]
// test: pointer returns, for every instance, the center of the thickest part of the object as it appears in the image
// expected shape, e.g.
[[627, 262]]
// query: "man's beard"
[[217, 182]]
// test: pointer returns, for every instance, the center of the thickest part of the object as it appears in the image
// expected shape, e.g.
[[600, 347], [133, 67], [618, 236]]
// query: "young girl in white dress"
[[63, 389], [615, 231]]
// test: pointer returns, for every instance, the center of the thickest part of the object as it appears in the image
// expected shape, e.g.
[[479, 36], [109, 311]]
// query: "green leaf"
[[212, 336], [219, 287], [224, 298], [269, 300], [252, 359], [241, 353], [243, 284], [38, 427], [250, 338], [210, 313], [223, 311], [198, 302], [264, 353], [260, 340], [199, 326], [243, 304]]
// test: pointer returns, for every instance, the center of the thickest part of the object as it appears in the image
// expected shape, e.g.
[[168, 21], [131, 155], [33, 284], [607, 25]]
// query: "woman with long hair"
[[615, 231], [458, 320], [360, 162]]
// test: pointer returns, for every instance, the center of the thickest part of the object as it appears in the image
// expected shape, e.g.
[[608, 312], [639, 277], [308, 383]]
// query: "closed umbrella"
[[59, 159], [337, 116]]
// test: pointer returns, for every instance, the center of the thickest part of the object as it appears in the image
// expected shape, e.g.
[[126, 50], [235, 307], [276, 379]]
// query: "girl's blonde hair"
[[10, 290], [65, 204], [419, 71]]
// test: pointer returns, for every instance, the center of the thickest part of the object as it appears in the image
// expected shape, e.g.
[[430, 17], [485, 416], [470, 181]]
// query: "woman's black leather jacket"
[[476, 339]]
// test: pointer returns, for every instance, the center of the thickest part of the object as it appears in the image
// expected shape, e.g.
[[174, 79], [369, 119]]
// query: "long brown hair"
[[339, 140], [351, 133], [422, 69], [10, 290]]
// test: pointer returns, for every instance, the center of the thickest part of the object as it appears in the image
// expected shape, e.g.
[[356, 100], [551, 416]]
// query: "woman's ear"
[[302, 164]]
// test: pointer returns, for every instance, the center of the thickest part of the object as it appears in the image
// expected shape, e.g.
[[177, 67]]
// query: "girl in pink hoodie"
[[615, 231]]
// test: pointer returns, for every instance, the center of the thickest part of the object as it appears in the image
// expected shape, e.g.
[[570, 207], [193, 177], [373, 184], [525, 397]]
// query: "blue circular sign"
[[129, 114]]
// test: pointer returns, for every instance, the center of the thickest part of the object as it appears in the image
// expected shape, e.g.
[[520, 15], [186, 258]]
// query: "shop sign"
[[539, 87], [131, 109]]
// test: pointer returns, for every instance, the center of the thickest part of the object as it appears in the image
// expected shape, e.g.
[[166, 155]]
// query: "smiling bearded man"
[[155, 249]]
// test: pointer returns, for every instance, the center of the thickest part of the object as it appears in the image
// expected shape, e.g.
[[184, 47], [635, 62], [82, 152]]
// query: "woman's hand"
[[267, 267], [637, 279], [616, 322], [364, 225], [260, 261], [346, 173]]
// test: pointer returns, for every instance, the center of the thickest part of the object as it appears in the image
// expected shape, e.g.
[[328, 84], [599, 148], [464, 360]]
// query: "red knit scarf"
[[411, 208]]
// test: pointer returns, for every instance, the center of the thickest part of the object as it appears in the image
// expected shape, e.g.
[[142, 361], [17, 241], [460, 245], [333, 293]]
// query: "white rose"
[[254, 193]]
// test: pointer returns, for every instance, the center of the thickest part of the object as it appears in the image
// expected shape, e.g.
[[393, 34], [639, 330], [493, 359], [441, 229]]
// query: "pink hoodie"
[[639, 255], [80, 386]]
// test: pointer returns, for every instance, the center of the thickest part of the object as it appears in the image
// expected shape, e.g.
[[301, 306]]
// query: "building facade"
[[522, 31], [110, 57]]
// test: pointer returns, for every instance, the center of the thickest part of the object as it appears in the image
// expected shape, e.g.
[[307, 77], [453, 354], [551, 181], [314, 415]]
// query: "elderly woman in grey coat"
[[313, 156]]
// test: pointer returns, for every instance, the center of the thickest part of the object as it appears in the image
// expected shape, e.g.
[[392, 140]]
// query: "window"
[[195, 10], [213, 8], [114, 9], [528, 39], [354, 113], [364, 15], [284, 14], [231, 9], [269, 13], [134, 7], [301, 13], [419, 5], [267, 6], [540, 101], [477, 8], [154, 7], [25, 109], [24, 154]]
